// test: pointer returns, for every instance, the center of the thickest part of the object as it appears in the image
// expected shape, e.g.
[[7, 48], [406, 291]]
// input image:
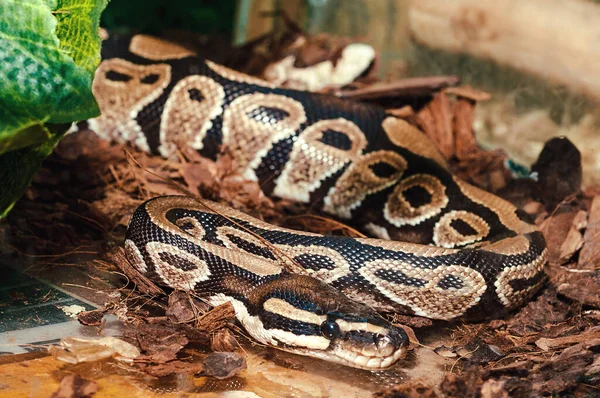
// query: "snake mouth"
[[368, 351], [352, 358], [359, 361]]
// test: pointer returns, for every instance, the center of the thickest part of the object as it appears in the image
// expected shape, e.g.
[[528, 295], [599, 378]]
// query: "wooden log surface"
[[558, 40]]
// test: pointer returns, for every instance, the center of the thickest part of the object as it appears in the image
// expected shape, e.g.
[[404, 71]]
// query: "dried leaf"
[[76, 350]]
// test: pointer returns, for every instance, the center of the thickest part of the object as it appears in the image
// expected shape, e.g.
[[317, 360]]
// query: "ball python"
[[440, 248]]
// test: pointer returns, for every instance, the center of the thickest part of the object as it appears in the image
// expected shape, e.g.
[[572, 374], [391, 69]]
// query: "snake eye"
[[330, 329]]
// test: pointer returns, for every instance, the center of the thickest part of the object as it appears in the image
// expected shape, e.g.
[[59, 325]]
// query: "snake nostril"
[[382, 341], [399, 337]]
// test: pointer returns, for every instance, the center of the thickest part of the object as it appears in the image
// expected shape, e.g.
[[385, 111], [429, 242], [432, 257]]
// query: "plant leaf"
[[49, 52], [17, 168]]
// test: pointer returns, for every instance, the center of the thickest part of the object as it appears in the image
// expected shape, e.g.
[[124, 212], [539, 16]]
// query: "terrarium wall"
[[537, 58]]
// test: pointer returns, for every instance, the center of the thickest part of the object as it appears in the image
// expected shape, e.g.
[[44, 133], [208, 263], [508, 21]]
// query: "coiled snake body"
[[351, 160]]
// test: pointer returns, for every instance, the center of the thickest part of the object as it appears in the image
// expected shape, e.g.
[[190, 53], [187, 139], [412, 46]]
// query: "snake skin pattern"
[[349, 159]]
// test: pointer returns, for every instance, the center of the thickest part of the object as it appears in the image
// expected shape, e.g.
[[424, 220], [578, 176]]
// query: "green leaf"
[[17, 168], [77, 31], [48, 55], [49, 52]]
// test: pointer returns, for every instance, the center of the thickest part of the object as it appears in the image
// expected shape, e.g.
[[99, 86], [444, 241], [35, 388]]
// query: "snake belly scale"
[[442, 248]]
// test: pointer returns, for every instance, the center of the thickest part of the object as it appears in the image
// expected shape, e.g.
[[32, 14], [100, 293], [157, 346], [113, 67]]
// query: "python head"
[[303, 315]]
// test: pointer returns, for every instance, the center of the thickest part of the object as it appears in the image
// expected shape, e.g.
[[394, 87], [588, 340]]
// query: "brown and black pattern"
[[230, 262], [429, 281], [349, 159]]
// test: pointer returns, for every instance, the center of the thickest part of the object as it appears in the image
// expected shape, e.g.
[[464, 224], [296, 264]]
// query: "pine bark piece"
[[574, 240], [555, 229], [410, 87], [563, 371], [465, 143], [468, 92], [583, 291], [436, 121], [223, 365], [580, 286], [589, 257], [547, 344], [142, 283]]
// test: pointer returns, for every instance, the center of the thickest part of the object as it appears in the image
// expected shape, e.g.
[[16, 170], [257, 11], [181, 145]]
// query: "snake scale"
[[465, 253]]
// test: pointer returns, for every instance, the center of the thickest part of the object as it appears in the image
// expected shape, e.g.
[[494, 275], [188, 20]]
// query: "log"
[[558, 40]]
